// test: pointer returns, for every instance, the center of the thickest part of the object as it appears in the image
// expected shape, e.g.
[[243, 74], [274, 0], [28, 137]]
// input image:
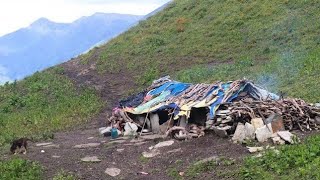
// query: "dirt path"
[[126, 155]]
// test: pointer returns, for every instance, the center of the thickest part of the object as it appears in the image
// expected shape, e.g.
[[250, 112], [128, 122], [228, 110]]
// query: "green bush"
[[17, 169], [300, 161]]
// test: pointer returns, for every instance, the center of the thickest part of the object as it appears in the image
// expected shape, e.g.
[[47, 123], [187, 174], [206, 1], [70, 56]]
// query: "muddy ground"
[[64, 156]]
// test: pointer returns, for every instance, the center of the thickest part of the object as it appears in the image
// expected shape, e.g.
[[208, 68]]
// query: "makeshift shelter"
[[239, 108], [169, 106], [182, 97]]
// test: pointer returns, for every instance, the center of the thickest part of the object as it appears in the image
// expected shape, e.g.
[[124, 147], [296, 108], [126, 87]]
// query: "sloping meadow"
[[273, 42], [43, 103]]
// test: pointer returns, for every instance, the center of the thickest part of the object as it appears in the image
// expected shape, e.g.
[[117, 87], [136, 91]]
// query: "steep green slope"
[[43, 103], [275, 42]]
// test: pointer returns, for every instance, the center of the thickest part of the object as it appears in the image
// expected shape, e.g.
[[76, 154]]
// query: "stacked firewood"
[[296, 114]]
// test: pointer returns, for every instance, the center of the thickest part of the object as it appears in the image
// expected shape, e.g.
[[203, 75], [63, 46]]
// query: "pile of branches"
[[296, 113]]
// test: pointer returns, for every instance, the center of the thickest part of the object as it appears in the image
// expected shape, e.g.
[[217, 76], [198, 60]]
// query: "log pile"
[[296, 114]]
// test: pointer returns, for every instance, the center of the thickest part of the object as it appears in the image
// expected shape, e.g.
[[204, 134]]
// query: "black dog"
[[18, 144]]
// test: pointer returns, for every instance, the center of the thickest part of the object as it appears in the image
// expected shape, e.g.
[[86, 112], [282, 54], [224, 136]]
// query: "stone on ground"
[[257, 123], [151, 153], [221, 132], [164, 144], [249, 131], [254, 149], [263, 134], [89, 145], [278, 140], [43, 144], [90, 159], [287, 136], [113, 172], [152, 137], [175, 150], [239, 134], [52, 146]]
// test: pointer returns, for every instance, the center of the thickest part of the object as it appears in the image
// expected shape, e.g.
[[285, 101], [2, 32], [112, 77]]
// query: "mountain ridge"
[[23, 51]]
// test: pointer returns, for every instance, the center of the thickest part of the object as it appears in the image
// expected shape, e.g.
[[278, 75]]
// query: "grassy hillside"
[[43, 103], [275, 42]]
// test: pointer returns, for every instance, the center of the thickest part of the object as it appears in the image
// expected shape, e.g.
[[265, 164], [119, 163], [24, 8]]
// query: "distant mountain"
[[45, 43]]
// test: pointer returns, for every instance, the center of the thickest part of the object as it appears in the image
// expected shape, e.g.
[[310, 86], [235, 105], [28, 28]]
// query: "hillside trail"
[[65, 151]]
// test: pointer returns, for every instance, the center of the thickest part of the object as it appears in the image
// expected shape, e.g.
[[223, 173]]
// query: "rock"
[[255, 149], [287, 136], [89, 145], [90, 159], [154, 119], [137, 140], [113, 172], [153, 137], [90, 138], [212, 158], [164, 144], [143, 173], [240, 133], [263, 134], [257, 123], [44, 144], [174, 150], [278, 140], [139, 144], [118, 141], [317, 105], [52, 146], [130, 129], [249, 128], [120, 150], [42, 151], [56, 156], [151, 153], [181, 173], [221, 132]]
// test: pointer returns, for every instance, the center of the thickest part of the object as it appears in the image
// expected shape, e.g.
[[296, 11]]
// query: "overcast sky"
[[15, 14]]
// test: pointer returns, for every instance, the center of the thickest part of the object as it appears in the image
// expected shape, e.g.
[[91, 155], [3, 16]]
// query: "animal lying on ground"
[[18, 144]]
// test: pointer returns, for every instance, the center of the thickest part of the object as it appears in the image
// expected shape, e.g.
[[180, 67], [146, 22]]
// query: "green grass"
[[296, 75], [198, 168], [300, 161], [173, 173], [17, 169], [42, 104], [63, 175], [143, 159], [195, 33]]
